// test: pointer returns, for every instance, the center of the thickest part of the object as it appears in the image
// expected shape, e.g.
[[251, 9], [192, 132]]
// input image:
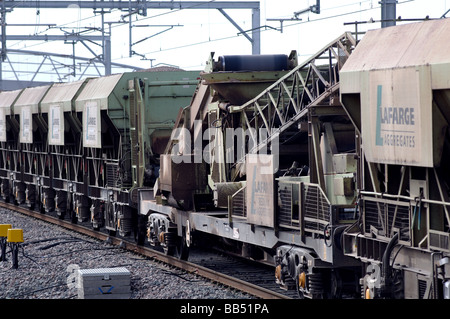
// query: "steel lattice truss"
[[62, 67], [292, 106]]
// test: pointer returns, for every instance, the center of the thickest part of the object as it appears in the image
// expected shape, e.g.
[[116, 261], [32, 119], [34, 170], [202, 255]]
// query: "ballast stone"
[[104, 283]]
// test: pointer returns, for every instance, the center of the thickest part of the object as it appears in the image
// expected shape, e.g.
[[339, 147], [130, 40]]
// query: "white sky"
[[203, 31]]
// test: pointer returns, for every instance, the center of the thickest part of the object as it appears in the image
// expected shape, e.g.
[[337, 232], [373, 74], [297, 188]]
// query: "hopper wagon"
[[396, 89], [83, 148]]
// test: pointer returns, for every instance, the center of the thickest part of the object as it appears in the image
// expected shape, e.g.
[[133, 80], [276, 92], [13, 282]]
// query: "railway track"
[[207, 265], [258, 274]]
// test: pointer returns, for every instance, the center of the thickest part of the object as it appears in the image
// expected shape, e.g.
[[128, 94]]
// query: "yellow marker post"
[[4, 229], [15, 235], [14, 238]]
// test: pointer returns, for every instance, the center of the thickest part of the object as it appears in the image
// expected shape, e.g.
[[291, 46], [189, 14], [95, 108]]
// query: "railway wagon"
[[396, 89], [83, 148], [64, 151], [263, 163], [9, 133], [31, 150], [126, 121]]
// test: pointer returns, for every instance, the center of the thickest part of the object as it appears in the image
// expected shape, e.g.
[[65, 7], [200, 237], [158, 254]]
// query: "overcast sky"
[[196, 33]]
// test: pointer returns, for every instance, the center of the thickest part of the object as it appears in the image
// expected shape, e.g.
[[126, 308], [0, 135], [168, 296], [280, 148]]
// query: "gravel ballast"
[[49, 253]]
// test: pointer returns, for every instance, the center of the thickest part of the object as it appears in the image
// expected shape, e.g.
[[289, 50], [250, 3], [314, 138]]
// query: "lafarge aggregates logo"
[[395, 124], [396, 115]]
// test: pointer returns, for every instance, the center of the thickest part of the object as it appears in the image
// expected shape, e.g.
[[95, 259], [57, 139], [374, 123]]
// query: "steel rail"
[[204, 272]]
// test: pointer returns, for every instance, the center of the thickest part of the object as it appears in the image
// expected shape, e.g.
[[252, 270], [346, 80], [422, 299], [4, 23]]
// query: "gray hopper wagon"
[[83, 148]]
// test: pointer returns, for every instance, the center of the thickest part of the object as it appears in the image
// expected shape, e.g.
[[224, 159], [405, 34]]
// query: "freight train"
[[331, 170], [83, 149]]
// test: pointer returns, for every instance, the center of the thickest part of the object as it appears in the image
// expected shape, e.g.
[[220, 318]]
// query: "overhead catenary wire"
[[266, 28], [231, 37], [85, 32], [141, 19], [94, 16]]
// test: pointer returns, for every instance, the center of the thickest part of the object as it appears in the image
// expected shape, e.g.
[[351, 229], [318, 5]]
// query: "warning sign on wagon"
[[56, 125], [260, 189], [91, 125]]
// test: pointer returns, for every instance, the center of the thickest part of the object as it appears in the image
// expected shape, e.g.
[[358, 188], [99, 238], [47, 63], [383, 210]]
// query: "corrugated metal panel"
[[97, 90], [62, 94], [31, 97]]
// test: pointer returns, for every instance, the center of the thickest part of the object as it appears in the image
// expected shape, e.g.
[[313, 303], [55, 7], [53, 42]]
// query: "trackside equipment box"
[[104, 283]]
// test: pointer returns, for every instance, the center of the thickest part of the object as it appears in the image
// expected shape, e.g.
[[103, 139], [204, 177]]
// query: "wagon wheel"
[[175, 245]]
